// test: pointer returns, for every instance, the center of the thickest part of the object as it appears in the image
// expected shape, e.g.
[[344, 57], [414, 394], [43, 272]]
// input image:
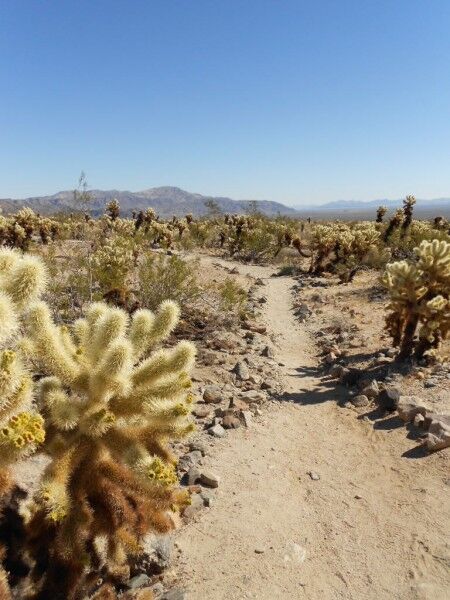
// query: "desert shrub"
[[419, 297], [232, 296], [163, 277]]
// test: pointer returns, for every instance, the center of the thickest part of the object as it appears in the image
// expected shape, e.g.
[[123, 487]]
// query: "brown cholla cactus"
[[381, 211], [113, 209], [394, 224], [419, 293], [408, 208], [111, 405]]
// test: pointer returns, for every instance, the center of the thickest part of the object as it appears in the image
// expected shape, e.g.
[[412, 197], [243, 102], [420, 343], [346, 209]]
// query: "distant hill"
[[166, 201], [359, 209]]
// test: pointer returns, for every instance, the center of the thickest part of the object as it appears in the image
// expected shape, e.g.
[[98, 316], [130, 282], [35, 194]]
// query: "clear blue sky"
[[296, 101]]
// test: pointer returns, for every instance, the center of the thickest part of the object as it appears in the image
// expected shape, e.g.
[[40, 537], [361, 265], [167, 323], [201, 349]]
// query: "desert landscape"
[[261, 399]]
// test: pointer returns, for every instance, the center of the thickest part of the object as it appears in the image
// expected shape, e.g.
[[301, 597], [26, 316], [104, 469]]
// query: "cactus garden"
[[142, 359]]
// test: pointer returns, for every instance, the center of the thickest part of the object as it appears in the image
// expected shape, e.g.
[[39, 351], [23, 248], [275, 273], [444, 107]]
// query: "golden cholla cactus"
[[112, 402], [22, 281], [111, 264], [419, 292], [113, 209]]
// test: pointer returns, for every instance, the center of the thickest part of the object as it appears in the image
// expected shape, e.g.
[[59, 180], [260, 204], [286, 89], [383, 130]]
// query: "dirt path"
[[372, 527]]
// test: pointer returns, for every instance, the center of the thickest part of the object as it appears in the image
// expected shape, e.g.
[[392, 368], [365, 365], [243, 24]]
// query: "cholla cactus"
[[394, 224], [111, 264], [420, 296], [381, 211], [22, 280], [111, 405], [21, 429], [408, 207], [113, 209]]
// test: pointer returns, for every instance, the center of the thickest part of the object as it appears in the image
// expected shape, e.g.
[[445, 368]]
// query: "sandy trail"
[[373, 527]]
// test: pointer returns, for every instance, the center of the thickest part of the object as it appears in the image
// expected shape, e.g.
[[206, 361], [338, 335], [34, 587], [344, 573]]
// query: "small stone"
[[419, 420], [231, 422], [209, 479], [212, 394], [314, 476], [388, 398], [360, 400], [268, 352], [330, 358], [139, 581], [174, 594], [336, 371], [429, 383], [193, 475], [194, 508], [247, 417], [207, 498], [408, 407], [242, 371], [157, 589], [201, 411], [371, 390], [217, 431], [391, 353], [198, 445], [358, 497], [259, 550]]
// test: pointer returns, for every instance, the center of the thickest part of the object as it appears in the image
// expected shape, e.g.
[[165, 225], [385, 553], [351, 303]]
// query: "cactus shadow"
[[392, 422]]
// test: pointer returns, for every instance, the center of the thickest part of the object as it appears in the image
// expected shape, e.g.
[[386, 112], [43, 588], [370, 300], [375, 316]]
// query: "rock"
[[438, 436], [259, 281], [217, 431], [139, 581], [351, 376], [157, 556], [209, 479], [388, 398], [255, 379], [247, 417], [193, 475], [429, 383], [212, 394], [360, 400], [383, 360], [268, 352], [242, 371], [198, 445], [194, 508], [410, 406], [336, 371], [371, 390], [391, 352], [294, 553], [230, 422], [225, 341], [259, 550], [234, 271], [253, 396], [201, 411], [157, 589], [207, 498], [330, 358], [174, 594], [314, 476], [189, 460], [419, 421], [269, 384], [262, 300]]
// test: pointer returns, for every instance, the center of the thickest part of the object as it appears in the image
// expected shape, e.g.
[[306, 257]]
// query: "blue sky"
[[295, 101]]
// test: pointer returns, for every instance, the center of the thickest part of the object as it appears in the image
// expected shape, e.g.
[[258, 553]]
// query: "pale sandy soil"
[[374, 526]]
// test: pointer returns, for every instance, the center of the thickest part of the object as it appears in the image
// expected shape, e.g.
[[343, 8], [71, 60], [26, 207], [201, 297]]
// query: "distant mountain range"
[[361, 204], [166, 201]]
